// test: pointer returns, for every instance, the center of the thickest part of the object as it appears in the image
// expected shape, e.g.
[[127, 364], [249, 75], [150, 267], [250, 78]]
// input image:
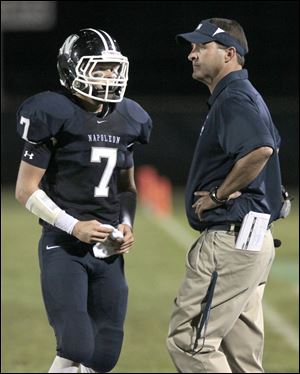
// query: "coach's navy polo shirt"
[[237, 123]]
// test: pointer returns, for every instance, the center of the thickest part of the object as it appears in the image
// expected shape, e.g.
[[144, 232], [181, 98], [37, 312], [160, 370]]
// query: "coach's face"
[[208, 62]]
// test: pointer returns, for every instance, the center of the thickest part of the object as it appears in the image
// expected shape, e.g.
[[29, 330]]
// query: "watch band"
[[213, 196]]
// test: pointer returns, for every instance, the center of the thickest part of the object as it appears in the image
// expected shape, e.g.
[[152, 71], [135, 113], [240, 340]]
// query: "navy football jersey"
[[81, 151]]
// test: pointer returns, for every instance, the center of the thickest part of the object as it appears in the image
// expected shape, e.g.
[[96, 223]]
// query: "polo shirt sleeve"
[[242, 127], [278, 138]]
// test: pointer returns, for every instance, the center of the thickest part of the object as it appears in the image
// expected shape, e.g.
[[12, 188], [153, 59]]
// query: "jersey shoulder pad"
[[41, 116], [137, 117]]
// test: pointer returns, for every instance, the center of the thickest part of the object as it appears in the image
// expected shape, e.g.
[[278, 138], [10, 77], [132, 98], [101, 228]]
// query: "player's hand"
[[128, 238], [91, 231]]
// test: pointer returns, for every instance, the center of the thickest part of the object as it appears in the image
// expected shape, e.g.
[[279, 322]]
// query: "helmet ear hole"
[[66, 70]]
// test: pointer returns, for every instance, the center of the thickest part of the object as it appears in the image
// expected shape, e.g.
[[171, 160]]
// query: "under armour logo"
[[30, 155]]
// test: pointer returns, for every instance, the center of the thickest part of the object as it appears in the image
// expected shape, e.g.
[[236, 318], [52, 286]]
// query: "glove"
[[109, 246]]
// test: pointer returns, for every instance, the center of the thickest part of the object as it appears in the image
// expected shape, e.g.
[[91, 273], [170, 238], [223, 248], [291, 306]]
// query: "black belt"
[[233, 227]]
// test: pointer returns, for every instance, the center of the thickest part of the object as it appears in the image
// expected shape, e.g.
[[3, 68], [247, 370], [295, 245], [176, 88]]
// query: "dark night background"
[[159, 73]]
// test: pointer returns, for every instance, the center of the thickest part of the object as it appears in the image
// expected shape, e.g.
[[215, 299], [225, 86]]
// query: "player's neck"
[[89, 104]]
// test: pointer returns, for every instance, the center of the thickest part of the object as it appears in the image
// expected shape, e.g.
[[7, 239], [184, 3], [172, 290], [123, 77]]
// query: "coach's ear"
[[230, 52]]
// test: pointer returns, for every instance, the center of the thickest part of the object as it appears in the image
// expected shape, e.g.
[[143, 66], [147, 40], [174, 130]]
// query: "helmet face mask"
[[107, 89], [83, 61]]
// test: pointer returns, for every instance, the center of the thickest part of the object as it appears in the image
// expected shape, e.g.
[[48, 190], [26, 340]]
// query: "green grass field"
[[154, 269]]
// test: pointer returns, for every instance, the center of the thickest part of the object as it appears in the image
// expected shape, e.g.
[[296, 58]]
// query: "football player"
[[77, 176]]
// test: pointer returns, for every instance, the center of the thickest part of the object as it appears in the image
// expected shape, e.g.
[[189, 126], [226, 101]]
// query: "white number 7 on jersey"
[[26, 122], [111, 154]]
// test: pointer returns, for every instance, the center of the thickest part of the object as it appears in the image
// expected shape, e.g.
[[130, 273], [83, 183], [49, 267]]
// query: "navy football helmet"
[[81, 59]]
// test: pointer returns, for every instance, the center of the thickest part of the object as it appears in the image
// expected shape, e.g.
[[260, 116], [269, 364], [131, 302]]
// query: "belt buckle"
[[232, 228]]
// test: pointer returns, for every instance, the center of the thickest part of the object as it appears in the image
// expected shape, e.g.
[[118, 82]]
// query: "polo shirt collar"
[[229, 78]]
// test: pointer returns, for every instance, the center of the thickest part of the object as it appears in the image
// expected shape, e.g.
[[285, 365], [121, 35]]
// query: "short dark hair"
[[234, 29]]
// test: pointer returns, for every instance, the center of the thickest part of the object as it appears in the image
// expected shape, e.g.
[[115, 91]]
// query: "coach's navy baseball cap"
[[207, 32]]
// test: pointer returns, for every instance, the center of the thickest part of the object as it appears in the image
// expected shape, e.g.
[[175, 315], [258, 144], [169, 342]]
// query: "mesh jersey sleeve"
[[37, 154], [39, 119], [41, 116], [129, 163], [143, 124], [139, 119], [145, 133]]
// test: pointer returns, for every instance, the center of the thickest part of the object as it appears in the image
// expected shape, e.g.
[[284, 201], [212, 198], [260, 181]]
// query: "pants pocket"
[[192, 256]]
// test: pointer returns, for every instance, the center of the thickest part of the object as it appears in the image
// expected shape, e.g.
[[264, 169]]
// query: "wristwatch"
[[213, 196]]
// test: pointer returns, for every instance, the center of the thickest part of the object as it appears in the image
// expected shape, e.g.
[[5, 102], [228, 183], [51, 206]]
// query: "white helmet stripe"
[[102, 38], [68, 44], [110, 39]]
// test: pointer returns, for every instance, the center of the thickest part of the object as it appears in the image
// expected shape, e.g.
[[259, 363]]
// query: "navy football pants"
[[85, 298]]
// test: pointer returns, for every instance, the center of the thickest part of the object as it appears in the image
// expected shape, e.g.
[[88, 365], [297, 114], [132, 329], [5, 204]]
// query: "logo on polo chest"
[[202, 129]]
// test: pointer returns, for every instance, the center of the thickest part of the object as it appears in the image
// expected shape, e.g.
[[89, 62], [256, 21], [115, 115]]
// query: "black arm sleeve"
[[127, 207]]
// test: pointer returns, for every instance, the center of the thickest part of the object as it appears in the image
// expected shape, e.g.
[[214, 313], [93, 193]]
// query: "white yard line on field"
[[280, 325]]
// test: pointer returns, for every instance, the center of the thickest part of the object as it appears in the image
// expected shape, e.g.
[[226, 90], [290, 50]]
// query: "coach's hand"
[[128, 238], [205, 202], [91, 231]]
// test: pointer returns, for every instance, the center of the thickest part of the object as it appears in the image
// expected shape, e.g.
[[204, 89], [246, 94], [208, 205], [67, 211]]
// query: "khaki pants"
[[235, 334]]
